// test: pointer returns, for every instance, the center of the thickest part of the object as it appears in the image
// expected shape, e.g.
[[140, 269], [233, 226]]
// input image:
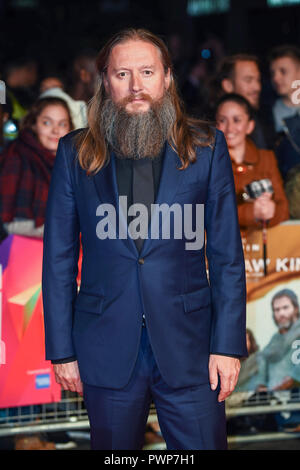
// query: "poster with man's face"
[[273, 322]]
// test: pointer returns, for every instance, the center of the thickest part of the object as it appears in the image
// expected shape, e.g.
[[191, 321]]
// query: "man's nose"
[[136, 83], [257, 86], [229, 127]]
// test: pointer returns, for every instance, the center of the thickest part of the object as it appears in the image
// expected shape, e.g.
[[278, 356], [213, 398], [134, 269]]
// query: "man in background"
[[285, 70], [240, 74], [280, 372], [83, 76]]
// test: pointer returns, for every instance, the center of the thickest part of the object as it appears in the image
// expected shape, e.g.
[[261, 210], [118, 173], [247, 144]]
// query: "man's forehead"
[[246, 67], [282, 301], [285, 62], [134, 52]]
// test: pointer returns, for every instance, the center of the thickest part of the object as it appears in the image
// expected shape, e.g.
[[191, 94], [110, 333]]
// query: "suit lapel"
[[107, 189], [170, 180], [170, 177]]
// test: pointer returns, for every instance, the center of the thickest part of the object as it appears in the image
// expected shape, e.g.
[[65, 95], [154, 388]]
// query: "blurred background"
[[47, 61], [49, 33]]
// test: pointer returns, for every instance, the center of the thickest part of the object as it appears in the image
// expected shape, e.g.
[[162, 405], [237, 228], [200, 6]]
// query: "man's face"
[[247, 81], [283, 72], [285, 314], [135, 71]]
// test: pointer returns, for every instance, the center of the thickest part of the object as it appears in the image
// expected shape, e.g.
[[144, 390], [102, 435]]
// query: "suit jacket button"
[[141, 261]]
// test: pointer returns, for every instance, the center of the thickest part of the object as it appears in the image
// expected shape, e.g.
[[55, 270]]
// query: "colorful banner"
[[273, 323], [26, 378]]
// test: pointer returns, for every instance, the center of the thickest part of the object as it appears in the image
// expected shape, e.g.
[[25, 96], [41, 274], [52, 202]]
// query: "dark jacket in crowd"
[[25, 171], [288, 146]]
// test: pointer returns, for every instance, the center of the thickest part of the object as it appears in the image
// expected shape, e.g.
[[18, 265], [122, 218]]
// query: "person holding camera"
[[258, 183]]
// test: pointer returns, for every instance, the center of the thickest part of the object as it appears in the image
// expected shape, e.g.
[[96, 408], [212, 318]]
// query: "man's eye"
[[148, 72], [122, 74], [46, 123]]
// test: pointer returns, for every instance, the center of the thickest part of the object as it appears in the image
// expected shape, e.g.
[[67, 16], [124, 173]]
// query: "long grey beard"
[[137, 135]]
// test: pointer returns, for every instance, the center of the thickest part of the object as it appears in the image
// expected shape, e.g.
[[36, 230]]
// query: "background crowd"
[[254, 101], [258, 115]]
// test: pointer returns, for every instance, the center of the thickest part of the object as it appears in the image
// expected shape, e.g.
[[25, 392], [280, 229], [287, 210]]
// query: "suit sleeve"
[[60, 258], [225, 257]]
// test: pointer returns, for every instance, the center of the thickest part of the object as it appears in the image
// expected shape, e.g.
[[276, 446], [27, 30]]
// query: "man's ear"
[[85, 76], [168, 79], [105, 83], [227, 85]]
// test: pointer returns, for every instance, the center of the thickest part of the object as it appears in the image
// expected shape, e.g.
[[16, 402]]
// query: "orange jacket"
[[259, 164]]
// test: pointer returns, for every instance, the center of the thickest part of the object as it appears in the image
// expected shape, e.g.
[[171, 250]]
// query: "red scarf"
[[25, 172]]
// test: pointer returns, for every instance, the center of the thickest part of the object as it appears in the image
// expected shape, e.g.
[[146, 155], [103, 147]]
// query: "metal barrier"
[[67, 414], [251, 403], [70, 414], [247, 403]]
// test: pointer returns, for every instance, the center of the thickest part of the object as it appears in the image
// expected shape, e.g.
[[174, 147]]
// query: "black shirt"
[[124, 171]]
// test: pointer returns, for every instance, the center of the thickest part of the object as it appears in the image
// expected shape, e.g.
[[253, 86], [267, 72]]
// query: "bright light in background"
[[282, 3], [24, 3], [207, 7], [206, 54]]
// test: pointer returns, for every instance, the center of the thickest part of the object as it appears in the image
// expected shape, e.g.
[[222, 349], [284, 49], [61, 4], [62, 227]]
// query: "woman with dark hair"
[[26, 165], [234, 116]]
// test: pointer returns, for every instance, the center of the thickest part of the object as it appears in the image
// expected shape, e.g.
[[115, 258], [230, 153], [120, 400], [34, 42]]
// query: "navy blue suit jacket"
[[188, 316]]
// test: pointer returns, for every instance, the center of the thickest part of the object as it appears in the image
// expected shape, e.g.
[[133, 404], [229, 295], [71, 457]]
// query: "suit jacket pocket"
[[196, 300], [89, 303]]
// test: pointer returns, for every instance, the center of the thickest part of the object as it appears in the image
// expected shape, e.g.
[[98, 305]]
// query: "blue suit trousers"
[[189, 418]]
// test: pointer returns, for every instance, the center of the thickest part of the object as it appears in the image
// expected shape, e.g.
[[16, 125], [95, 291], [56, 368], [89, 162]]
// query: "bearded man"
[[278, 369], [147, 324]]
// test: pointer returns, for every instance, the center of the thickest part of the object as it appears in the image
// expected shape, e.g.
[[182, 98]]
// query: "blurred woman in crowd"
[[234, 117], [26, 165]]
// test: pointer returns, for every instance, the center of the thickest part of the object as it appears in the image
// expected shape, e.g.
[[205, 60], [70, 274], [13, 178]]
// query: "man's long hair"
[[185, 135]]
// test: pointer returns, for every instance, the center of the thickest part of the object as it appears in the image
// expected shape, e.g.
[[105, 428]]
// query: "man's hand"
[[227, 368], [67, 375]]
